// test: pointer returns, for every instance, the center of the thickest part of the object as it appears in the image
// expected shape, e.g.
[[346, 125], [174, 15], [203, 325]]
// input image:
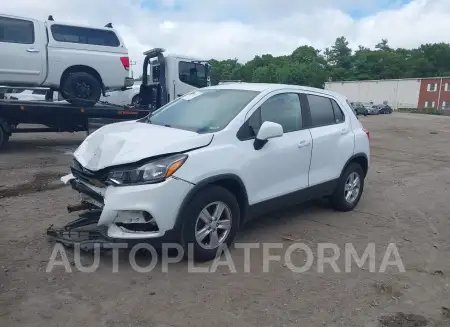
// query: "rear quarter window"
[[84, 35]]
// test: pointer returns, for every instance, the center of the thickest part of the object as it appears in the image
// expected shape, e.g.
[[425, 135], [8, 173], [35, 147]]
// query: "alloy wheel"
[[213, 225], [352, 187]]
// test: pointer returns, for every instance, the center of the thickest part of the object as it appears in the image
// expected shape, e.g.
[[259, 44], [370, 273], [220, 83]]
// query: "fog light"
[[136, 221]]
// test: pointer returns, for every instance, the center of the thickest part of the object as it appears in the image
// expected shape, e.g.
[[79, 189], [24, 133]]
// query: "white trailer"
[[398, 93]]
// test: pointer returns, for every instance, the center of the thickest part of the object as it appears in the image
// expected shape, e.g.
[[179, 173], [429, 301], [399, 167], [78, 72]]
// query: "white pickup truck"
[[81, 62]]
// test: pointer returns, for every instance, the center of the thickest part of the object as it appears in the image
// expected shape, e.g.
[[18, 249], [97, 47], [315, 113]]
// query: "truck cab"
[[169, 76]]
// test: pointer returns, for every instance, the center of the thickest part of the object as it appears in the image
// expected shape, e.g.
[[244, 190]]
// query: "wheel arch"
[[230, 182], [359, 158], [81, 68]]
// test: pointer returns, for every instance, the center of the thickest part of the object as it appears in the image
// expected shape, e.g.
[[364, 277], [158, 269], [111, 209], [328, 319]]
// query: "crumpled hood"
[[130, 141]]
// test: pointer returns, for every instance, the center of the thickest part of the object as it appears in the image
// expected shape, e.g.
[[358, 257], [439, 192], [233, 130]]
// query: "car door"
[[281, 166], [332, 138], [21, 55]]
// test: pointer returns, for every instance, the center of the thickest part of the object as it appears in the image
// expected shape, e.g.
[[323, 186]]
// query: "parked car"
[[379, 109], [130, 96], [126, 97], [26, 95], [198, 168], [359, 107], [80, 61]]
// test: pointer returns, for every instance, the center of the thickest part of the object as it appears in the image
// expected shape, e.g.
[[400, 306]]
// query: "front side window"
[[202, 111], [14, 30], [193, 74], [283, 109], [75, 34]]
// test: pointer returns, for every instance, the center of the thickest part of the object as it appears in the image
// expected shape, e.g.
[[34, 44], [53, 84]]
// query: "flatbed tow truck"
[[59, 117], [165, 77]]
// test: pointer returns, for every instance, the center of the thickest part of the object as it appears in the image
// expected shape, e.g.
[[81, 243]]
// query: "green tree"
[[311, 67]]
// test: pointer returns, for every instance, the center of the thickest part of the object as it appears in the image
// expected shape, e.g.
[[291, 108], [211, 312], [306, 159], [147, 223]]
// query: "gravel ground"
[[405, 203]]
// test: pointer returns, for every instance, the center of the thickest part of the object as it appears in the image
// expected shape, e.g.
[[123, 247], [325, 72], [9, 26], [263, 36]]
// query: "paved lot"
[[406, 202]]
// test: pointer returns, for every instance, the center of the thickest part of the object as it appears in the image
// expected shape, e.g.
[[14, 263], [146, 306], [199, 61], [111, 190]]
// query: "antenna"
[[109, 25], [50, 17]]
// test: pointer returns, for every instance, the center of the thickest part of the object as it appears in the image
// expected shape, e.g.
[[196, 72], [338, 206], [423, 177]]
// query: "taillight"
[[125, 62], [367, 133]]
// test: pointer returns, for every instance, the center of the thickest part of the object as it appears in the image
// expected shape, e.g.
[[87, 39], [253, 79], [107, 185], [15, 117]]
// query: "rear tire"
[[81, 89], [203, 249], [340, 199]]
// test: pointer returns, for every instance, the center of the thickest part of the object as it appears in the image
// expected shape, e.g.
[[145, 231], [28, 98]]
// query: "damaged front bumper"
[[123, 214]]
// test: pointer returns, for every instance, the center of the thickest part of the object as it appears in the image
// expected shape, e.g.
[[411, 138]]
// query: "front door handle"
[[32, 50], [304, 143]]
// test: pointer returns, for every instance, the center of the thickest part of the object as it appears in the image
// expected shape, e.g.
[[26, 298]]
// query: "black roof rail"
[[109, 25]]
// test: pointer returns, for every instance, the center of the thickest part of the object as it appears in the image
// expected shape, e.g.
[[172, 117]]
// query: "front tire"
[[349, 188], [81, 89], [211, 221]]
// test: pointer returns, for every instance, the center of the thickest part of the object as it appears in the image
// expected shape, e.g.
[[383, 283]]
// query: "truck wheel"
[[4, 137], [81, 89]]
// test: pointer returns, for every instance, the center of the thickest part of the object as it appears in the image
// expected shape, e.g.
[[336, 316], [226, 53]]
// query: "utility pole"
[[132, 63]]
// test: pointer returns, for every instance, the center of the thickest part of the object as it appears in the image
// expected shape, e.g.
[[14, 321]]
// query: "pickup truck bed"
[[59, 117]]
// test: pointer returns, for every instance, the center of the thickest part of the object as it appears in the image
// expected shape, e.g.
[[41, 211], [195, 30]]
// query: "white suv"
[[201, 166]]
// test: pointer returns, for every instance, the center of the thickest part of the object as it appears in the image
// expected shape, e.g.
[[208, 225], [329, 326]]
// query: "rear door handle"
[[32, 50], [304, 143]]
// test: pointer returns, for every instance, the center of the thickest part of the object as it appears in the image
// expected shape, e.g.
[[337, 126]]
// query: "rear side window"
[[324, 111], [14, 30], [84, 35]]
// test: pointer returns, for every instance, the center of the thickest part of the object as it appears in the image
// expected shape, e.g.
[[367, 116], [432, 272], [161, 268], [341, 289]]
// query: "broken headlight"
[[152, 172]]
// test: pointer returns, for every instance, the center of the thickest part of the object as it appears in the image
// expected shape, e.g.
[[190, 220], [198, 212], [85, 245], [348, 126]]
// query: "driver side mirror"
[[268, 130]]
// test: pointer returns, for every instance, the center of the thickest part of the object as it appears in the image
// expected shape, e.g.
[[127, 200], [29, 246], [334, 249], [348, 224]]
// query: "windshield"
[[202, 111]]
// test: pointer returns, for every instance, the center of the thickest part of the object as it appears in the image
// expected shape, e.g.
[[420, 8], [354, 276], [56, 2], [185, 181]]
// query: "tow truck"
[[165, 77]]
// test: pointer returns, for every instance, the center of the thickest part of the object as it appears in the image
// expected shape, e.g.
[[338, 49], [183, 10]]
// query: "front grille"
[[95, 178]]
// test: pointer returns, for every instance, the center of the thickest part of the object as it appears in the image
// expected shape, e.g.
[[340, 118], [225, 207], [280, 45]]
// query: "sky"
[[241, 29]]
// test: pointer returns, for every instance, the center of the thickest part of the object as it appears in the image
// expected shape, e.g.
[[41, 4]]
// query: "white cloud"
[[243, 28]]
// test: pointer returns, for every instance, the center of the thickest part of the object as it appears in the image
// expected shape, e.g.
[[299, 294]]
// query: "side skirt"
[[291, 199]]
